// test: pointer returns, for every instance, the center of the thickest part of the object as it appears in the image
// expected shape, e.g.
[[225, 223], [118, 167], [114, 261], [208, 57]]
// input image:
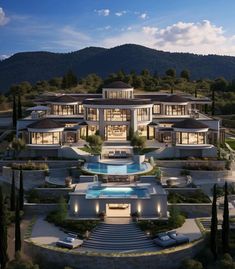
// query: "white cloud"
[[196, 37], [3, 18], [3, 57], [103, 12], [120, 13], [143, 16], [71, 38]]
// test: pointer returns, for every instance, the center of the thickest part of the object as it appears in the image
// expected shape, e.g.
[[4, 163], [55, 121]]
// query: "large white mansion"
[[177, 121]]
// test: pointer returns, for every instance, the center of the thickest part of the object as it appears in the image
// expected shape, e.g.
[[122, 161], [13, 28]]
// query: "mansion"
[[65, 120]]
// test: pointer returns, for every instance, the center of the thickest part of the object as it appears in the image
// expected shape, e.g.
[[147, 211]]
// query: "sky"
[[196, 26]]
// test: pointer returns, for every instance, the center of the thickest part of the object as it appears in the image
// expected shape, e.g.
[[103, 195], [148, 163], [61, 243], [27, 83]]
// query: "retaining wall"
[[32, 209], [181, 163], [50, 257]]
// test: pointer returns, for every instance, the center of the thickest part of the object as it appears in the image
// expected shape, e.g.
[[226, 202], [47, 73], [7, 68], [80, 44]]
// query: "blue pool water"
[[116, 192], [116, 169]]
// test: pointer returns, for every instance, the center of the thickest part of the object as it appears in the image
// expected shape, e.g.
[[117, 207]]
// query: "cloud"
[[143, 16], [4, 56], [120, 13], [68, 37], [195, 37], [103, 12], [3, 19]]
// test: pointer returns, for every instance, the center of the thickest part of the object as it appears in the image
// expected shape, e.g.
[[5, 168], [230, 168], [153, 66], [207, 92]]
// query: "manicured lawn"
[[231, 143]]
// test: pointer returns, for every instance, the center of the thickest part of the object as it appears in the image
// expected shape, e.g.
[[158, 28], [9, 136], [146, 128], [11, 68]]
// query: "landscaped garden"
[[231, 143], [194, 197], [153, 227], [79, 227]]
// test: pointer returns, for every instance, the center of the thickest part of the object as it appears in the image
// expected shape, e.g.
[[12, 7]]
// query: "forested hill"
[[35, 66]]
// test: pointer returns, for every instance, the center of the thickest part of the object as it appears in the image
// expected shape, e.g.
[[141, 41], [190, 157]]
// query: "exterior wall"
[[91, 207], [49, 257]]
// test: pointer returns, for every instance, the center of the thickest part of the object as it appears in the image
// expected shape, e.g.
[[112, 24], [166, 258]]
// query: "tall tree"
[[14, 112], [171, 72], [225, 224], [214, 224], [213, 100], [17, 227], [21, 192], [12, 205], [19, 116], [185, 74], [3, 232]]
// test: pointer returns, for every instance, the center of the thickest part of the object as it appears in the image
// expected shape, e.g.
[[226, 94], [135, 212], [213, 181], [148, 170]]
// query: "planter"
[[139, 158], [68, 181]]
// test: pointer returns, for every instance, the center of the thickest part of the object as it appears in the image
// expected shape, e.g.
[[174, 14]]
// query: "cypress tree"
[[17, 228], [225, 224], [21, 192], [19, 107], [213, 101], [214, 225], [14, 112], [12, 206], [3, 233]]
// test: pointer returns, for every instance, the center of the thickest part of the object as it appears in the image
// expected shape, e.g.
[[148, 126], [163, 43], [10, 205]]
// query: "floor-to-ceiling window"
[[117, 114], [157, 109], [116, 132], [142, 130], [64, 109], [143, 114], [92, 114], [190, 138], [175, 110], [40, 138]]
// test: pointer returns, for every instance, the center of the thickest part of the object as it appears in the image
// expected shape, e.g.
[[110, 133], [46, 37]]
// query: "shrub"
[[176, 219], [20, 263], [191, 264], [138, 142], [29, 166], [95, 143]]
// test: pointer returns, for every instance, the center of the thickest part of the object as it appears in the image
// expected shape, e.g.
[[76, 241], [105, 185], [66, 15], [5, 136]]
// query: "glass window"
[[143, 114], [45, 138], [142, 130], [117, 115], [92, 129], [156, 109], [92, 114], [80, 109], [175, 110], [118, 94], [64, 109], [190, 138]]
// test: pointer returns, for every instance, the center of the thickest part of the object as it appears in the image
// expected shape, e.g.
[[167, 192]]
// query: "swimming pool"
[[117, 192], [116, 169]]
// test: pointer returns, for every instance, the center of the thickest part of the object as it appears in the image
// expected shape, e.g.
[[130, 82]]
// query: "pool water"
[[116, 169], [117, 192]]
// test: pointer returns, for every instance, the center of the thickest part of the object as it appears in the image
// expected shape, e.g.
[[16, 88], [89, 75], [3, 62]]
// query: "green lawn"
[[231, 143]]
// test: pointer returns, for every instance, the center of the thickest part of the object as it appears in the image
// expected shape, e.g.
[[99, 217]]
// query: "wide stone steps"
[[118, 237]]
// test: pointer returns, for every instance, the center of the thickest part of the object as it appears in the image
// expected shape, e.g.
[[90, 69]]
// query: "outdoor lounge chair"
[[180, 238], [164, 240], [111, 154]]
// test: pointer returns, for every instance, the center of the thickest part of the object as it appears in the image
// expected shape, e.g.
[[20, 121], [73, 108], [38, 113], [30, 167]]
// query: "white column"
[[134, 122], [101, 123]]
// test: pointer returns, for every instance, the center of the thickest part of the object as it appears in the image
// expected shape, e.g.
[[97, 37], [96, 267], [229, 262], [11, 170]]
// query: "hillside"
[[34, 66]]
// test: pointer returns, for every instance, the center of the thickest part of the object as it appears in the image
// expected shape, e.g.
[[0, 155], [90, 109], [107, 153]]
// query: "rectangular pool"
[[117, 192]]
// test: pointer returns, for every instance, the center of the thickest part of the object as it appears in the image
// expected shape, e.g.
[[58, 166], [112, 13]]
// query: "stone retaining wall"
[[32, 209], [55, 192], [31, 178], [182, 163], [50, 257]]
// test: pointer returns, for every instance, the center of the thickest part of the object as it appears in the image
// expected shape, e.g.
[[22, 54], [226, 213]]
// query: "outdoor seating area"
[[70, 242], [119, 178], [170, 239], [116, 154]]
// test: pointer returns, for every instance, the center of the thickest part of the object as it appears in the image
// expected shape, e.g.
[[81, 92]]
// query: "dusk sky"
[[200, 26]]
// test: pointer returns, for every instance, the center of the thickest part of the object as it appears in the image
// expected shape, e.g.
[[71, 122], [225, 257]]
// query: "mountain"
[[34, 66]]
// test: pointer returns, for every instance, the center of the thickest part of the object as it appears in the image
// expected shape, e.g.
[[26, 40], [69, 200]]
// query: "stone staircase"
[[110, 236]]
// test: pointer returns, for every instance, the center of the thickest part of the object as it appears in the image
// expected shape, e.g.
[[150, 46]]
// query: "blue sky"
[[198, 26]]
